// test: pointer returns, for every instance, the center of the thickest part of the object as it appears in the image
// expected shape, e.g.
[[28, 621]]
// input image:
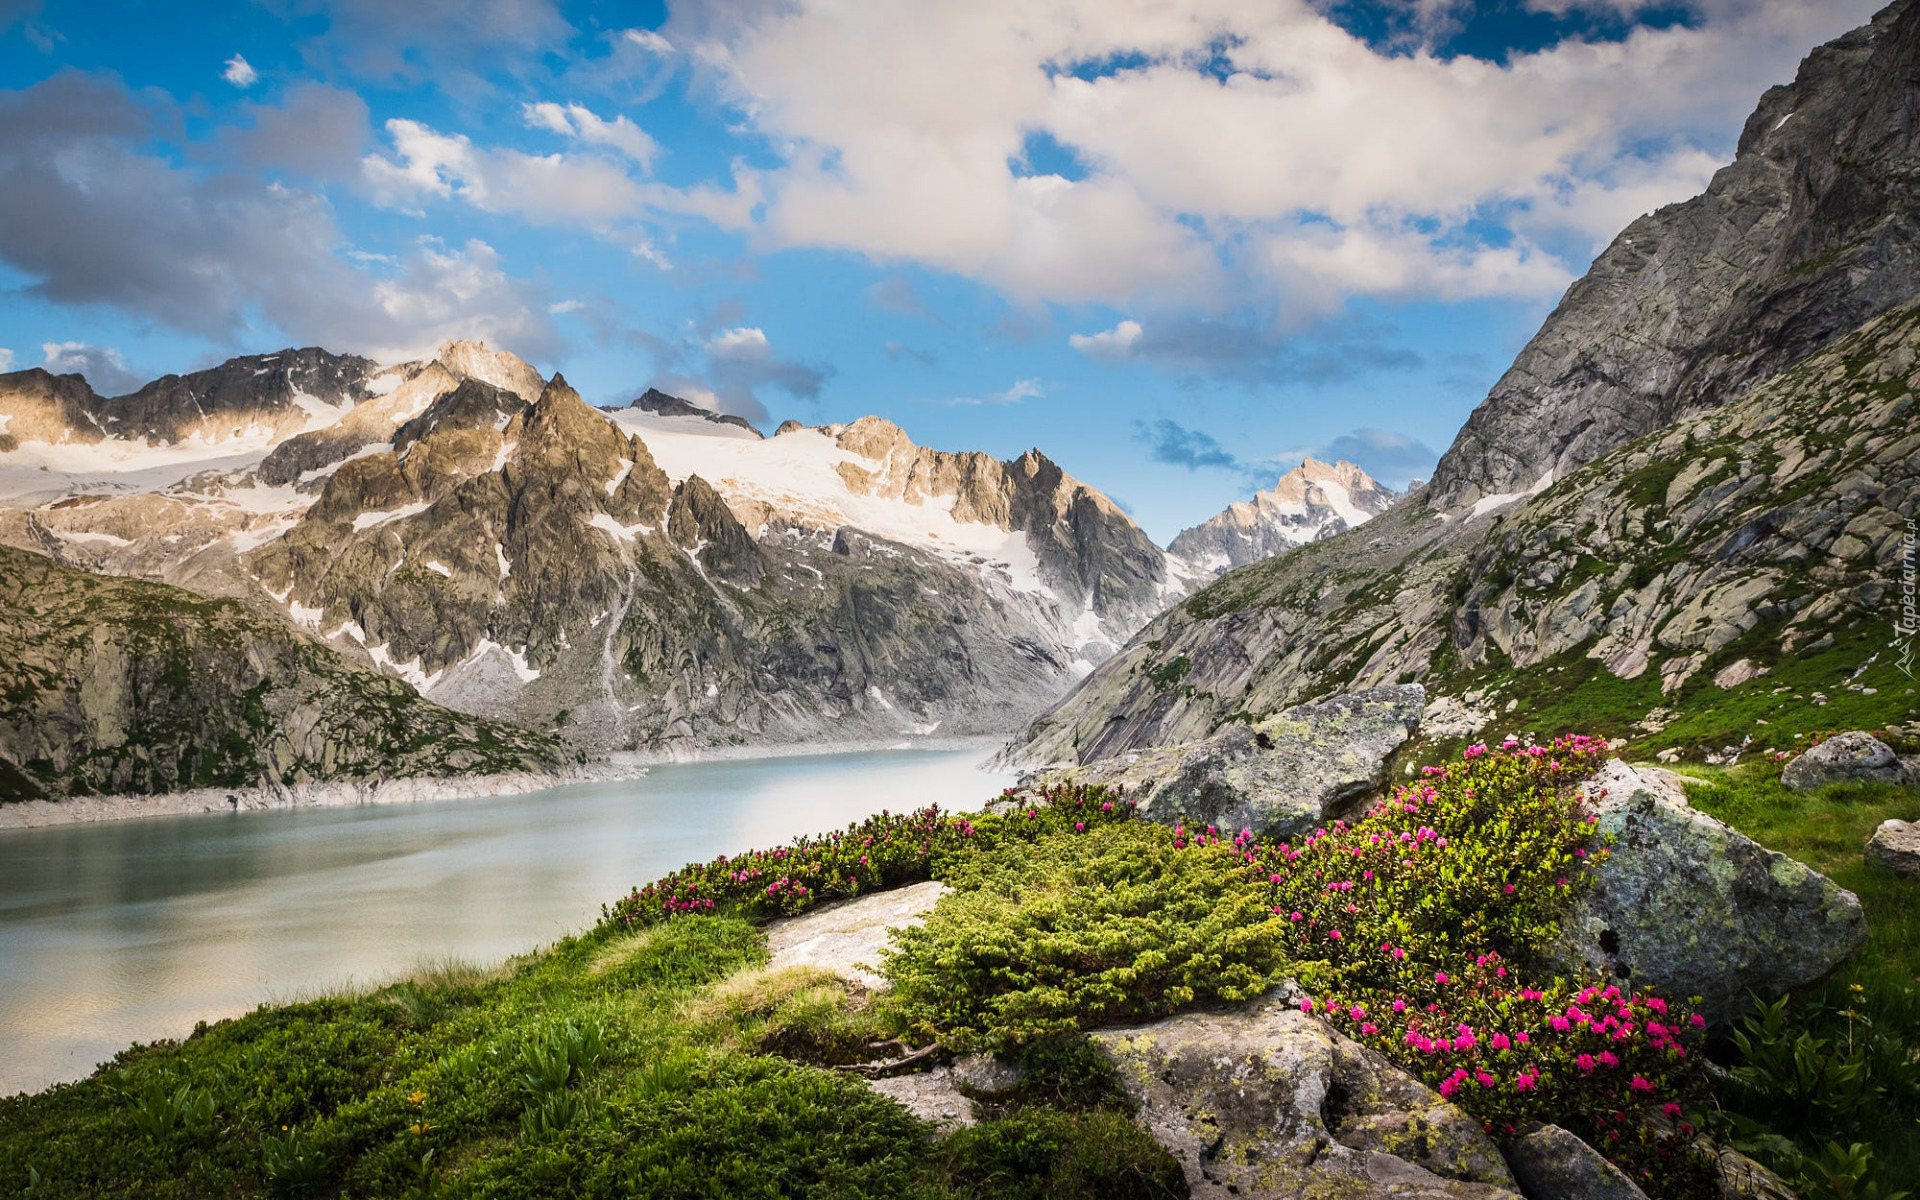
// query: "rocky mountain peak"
[[1811, 231], [1312, 501], [473, 360], [654, 400]]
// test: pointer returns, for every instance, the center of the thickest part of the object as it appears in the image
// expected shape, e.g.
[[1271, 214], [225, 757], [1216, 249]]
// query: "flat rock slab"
[[846, 938], [1280, 776], [1265, 1103], [1896, 844], [1694, 907]]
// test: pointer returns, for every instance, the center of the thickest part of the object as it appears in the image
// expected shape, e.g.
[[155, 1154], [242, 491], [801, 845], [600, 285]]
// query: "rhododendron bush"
[[1422, 928]]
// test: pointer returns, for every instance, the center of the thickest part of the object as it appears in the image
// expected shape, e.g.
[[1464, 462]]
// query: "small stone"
[[1896, 844], [1552, 1164]]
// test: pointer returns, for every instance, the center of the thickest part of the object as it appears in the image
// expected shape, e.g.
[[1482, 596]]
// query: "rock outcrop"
[[1628, 505], [1552, 1164], [1265, 1103], [1692, 907], [1312, 501], [1812, 230], [1280, 776], [117, 686], [1896, 845], [1849, 756], [847, 938]]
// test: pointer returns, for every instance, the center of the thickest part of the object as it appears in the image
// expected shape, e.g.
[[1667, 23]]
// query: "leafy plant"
[[550, 1114], [294, 1165]]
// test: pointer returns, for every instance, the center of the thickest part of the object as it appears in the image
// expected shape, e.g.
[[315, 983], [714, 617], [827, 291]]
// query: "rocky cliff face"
[[644, 577], [1312, 501], [1704, 522], [1813, 230], [115, 685], [540, 562]]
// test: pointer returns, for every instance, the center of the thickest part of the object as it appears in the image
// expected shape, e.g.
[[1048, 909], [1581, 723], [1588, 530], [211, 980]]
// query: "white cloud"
[[240, 72], [105, 370], [742, 342], [1111, 345], [649, 41], [6, 359], [579, 122], [1022, 389], [546, 189], [1243, 148]]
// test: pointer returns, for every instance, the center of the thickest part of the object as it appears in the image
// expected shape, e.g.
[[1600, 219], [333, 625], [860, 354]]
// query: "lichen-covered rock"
[[1279, 776], [1693, 907], [1896, 844], [1266, 1103], [847, 938], [1847, 756], [1552, 1164], [933, 1096]]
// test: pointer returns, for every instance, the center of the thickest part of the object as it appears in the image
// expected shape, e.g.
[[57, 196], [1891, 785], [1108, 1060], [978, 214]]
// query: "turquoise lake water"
[[133, 930]]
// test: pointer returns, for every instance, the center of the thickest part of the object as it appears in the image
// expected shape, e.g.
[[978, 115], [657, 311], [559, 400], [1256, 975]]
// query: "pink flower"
[[1297, 917], [1560, 1024], [1333, 935], [1399, 1006], [1357, 1012], [1522, 1037], [1585, 1063], [1697, 1020], [1369, 1029], [1499, 1041], [1440, 977], [1306, 1006], [1641, 1084], [1524, 1082], [1670, 1109]]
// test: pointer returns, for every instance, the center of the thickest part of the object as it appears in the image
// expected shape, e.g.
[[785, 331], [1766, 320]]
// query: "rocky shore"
[[339, 793]]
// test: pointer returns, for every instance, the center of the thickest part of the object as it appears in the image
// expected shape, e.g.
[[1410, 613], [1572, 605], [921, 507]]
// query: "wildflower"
[[1399, 1006], [1358, 1012], [1670, 1109], [1606, 1059], [1306, 1006], [1585, 1063], [1333, 935], [1440, 977], [1641, 1084]]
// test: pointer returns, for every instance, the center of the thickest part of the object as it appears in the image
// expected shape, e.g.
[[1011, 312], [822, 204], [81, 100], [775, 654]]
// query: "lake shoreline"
[[338, 793], [350, 793]]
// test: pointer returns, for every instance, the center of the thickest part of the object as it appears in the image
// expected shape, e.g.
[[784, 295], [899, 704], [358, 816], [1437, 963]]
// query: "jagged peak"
[[474, 360]]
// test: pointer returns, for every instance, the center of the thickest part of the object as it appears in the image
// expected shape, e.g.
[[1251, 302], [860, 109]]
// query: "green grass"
[[615, 1064], [1881, 985]]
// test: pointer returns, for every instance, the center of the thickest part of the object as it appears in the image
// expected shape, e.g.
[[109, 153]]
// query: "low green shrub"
[[1044, 1154]]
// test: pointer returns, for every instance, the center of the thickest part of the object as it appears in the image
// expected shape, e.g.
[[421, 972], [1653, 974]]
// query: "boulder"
[[932, 1096], [847, 938], [1848, 756], [1280, 776], [1266, 1103], [1692, 907], [1552, 1164], [1896, 844]]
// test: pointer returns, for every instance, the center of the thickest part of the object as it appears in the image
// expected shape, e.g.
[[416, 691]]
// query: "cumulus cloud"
[[582, 124], [1227, 147], [740, 342], [545, 189], [89, 216], [316, 130], [105, 370], [240, 73], [6, 359], [1111, 345]]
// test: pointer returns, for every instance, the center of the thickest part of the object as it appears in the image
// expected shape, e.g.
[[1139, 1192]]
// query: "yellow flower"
[[417, 1099], [416, 1129]]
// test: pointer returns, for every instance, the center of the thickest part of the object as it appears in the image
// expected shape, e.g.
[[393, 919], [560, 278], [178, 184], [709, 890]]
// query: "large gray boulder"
[[1552, 1164], [1848, 756], [1896, 844], [1280, 776], [1695, 908], [1266, 1103]]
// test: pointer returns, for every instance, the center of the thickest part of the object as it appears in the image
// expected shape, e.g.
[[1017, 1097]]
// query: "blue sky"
[[1176, 245]]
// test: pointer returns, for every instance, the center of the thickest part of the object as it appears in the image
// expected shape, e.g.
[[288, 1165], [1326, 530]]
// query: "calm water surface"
[[133, 930]]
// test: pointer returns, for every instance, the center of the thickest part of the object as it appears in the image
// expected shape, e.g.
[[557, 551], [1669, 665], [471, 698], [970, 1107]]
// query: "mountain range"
[[657, 577]]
